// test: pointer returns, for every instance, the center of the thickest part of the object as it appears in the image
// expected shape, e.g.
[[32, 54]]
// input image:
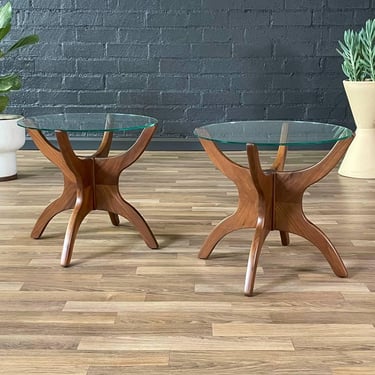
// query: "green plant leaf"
[[10, 82], [367, 39], [25, 41], [4, 100], [4, 31], [5, 15]]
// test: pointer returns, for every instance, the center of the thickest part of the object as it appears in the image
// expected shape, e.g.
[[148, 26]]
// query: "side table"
[[272, 199], [90, 182]]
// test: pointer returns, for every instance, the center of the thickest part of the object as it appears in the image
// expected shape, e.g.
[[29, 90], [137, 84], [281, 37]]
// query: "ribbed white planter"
[[12, 138], [359, 161]]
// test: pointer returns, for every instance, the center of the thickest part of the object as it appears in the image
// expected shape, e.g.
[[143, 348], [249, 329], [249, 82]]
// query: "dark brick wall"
[[186, 62]]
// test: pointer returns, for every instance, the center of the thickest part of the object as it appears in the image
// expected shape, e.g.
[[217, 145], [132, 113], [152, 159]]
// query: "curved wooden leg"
[[83, 171], [288, 210], [284, 237], [115, 220], [252, 264], [247, 210], [64, 202], [305, 228], [264, 183], [228, 225], [107, 194], [80, 211], [109, 199]]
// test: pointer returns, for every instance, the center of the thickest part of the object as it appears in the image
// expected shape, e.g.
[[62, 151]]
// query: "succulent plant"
[[358, 51]]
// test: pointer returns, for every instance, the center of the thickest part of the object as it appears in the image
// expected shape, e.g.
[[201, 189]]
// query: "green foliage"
[[358, 52], [12, 81]]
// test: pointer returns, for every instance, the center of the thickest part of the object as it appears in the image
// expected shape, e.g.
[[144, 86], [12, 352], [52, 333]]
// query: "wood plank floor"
[[122, 308]]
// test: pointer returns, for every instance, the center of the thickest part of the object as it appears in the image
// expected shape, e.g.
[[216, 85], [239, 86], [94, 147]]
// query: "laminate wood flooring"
[[122, 308]]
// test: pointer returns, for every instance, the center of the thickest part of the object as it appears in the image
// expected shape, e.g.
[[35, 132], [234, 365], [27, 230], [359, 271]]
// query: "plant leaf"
[[5, 15], [4, 31], [4, 100], [10, 82], [25, 41]]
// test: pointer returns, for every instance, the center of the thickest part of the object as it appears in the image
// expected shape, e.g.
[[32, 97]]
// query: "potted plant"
[[12, 137], [358, 52]]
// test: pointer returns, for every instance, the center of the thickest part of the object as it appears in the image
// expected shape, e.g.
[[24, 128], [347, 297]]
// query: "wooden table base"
[[90, 183], [272, 200]]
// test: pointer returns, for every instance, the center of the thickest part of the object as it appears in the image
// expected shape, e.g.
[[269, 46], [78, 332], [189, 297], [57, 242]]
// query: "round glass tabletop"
[[273, 133], [88, 122]]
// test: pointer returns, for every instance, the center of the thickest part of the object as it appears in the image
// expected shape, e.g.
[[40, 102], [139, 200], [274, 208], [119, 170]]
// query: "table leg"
[[272, 200], [246, 214], [90, 183], [280, 207]]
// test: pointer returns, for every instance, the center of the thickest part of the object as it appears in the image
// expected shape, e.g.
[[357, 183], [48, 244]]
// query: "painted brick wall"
[[186, 62]]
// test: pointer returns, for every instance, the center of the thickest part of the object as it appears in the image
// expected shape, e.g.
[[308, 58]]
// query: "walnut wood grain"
[[90, 183], [272, 200]]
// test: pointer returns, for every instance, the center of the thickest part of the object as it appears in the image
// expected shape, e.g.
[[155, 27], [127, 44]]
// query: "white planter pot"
[[359, 161], [12, 138]]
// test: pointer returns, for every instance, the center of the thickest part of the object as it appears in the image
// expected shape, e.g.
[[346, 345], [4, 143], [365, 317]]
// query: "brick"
[[167, 19], [217, 34], [170, 50], [58, 97], [254, 18], [301, 97], [42, 82], [96, 97], [228, 98], [131, 50], [143, 97], [291, 18], [205, 114], [304, 4], [128, 65], [83, 82], [257, 49], [342, 4], [286, 112], [179, 66], [178, 4], [209, 82], [126, 82], [97, 66], [167, 83], [261, 98], [180, 35], [92, 35], [149, 35], [243, 113], [205, 18], [178, 98], [81, 19], [83, 50], [138, 4], [222, 4], [60, 65], [130, 19], [265, 5], [211, 50]]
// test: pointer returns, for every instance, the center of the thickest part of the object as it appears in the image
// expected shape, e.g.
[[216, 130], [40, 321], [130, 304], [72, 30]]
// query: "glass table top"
[[273, 133], [88, 122]]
